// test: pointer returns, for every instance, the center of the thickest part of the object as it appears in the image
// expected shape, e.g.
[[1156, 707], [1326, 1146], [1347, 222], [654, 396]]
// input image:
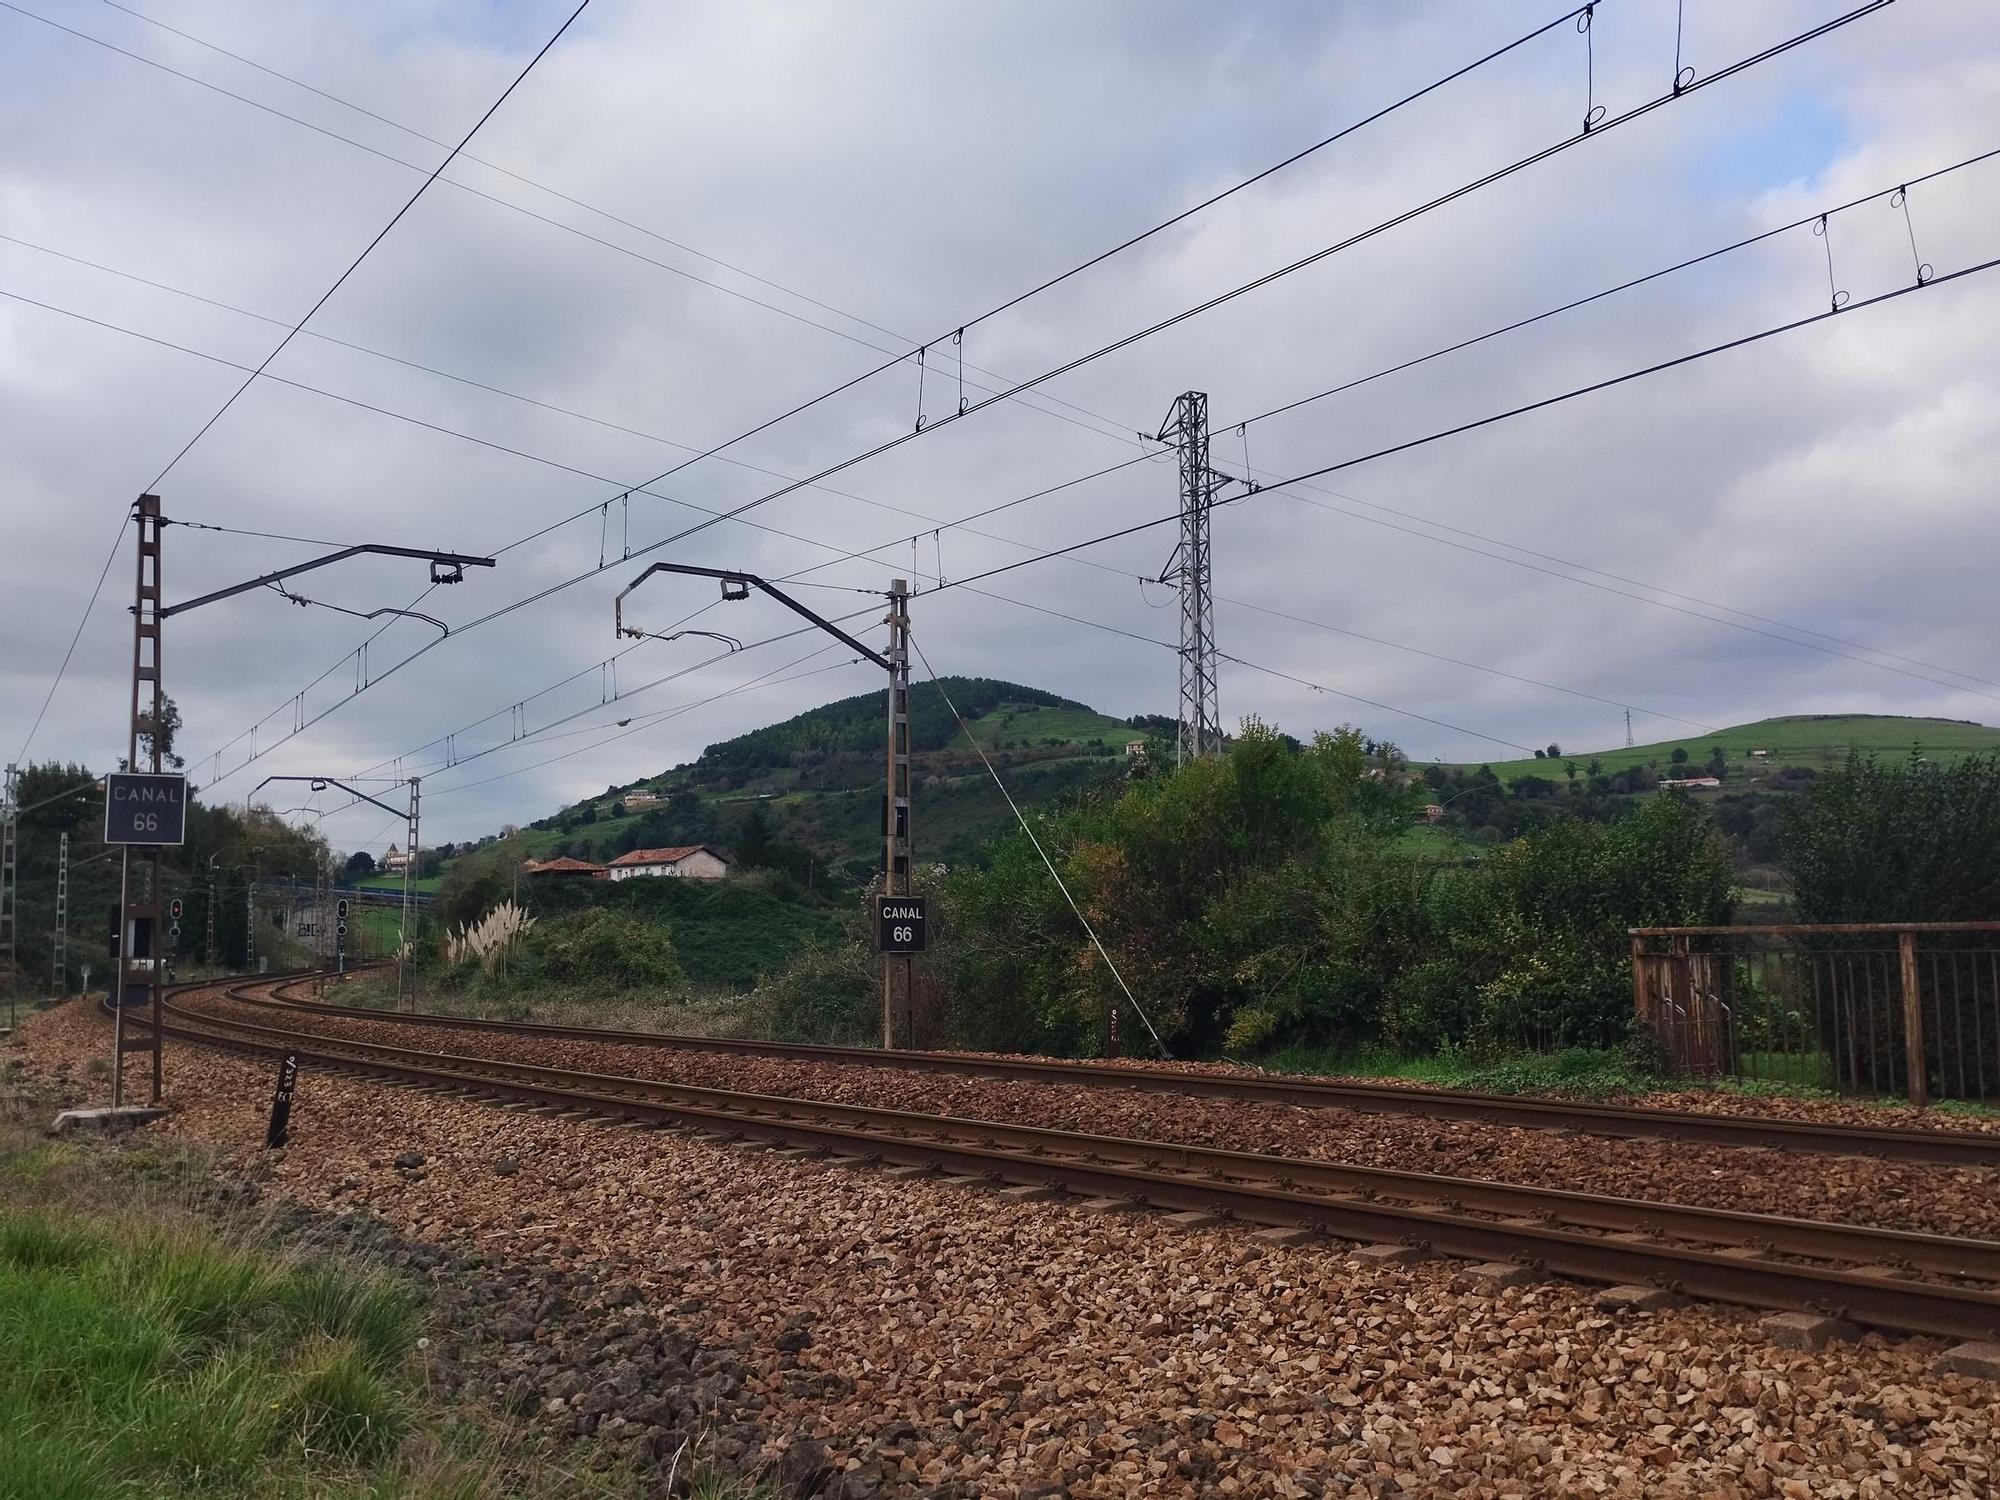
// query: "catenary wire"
[[1499, 175], [1273, 412], [1505, 415]]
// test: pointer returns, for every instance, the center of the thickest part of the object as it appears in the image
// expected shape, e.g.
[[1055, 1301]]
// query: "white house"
[[695, 861], [395, 861], [640, 799]]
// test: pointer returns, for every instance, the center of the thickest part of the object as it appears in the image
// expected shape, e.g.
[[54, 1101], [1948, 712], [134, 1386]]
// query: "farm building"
[[695, 861]]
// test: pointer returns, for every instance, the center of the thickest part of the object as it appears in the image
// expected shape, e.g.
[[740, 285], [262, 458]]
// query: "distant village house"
[[694, 861], [395, 861], [635, 800], [564, 868]]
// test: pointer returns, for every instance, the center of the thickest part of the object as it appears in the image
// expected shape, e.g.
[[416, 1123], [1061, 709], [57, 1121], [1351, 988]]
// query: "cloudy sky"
[[691, 218]]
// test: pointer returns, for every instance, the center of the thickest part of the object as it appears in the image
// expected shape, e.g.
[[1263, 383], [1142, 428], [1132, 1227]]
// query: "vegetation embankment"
[[149, 1347]]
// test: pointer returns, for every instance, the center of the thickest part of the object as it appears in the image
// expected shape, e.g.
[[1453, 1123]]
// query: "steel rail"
[[1930, 1147], [1256, 1189]]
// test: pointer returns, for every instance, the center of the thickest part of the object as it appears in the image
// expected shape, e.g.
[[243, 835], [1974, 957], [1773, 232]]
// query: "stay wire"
[[1048, 863]]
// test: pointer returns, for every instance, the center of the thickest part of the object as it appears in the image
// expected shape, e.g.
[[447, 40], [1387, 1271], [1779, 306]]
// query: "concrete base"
[[104, 1121], [906, 1174], [1492, 1275], [1808, 1331], [1108, 1206], [1387, 1255], [1982, 1360], [1638, 1299], [1194, 1219], [1283, 1237], [1030, 1192], [968, 1180]]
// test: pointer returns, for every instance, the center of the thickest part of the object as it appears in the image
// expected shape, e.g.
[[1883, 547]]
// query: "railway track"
[[1931, 1147], [1889, 1279]]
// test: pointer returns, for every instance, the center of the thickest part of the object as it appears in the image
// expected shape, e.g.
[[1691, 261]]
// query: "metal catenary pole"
[[147, 717], [9, 893], [60, 965], [406, 938], [898, 969]]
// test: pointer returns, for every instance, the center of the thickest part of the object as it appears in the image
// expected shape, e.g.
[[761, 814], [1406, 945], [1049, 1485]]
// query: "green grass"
[[1579, 1072], [395, 883], [1818, 741], [147, 1350], [1032, 724]]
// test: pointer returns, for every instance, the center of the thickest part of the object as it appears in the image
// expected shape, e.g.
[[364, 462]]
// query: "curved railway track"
[[1889, 1279], [1932, 1147]]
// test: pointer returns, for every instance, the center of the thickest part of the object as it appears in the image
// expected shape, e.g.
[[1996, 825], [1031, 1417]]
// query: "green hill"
[[1810, 741], [813, 783]]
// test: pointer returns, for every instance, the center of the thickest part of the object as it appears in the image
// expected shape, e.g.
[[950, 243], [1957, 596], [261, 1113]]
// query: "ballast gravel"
[[940, 1340], [1856, 1190]]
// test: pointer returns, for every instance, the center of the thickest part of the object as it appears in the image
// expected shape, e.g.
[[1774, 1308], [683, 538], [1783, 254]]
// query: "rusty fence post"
[[1913, 1021]]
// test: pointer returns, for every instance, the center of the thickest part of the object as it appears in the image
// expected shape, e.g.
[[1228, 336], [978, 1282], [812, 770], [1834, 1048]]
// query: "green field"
[[1817, 741], [1035, 724], [394, 883]]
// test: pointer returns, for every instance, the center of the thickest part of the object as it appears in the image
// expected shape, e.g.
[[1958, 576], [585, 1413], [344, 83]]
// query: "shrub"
[[605, 948]]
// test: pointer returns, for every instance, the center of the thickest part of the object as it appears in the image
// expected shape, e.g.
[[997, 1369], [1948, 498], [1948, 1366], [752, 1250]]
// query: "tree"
[[360, 865], [170, 716], [618, 808], [1679, 756], [1555, 751], [754, 841]]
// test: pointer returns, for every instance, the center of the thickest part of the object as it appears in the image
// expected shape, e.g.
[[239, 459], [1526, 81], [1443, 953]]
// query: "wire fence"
[[1866, 1009]]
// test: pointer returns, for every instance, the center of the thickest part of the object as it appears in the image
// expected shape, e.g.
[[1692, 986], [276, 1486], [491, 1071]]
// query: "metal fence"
[[1909, 1009]]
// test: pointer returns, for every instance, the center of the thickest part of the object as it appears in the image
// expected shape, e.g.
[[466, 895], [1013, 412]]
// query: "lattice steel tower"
[[1200, 717]]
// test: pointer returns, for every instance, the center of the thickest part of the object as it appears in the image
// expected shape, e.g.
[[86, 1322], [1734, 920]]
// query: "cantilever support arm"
[[749, 580], [457, 560], [401, 812]]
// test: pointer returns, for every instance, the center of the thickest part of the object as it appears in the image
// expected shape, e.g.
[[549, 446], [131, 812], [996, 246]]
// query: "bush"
[[604, 948]]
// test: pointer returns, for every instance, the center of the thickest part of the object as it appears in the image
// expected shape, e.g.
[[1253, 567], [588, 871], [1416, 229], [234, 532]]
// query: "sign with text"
[[281, 1102], [902, 924], [145, 807]]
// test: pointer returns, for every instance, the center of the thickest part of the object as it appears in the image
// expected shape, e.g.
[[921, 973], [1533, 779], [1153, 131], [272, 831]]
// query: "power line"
[[63, 668], [369, 248], [517, 208], [1637, 111], [1517, 324], [1257, 283], [1498, 417], [1508, 415]]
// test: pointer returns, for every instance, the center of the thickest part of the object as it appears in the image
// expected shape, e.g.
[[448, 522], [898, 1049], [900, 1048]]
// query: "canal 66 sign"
[[145, 807], [901, 923]]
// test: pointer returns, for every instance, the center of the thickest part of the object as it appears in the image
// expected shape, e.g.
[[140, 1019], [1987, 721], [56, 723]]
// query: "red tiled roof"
[[663, 856], [564, 865]]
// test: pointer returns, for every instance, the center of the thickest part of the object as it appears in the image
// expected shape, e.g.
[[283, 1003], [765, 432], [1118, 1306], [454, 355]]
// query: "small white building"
[[395, 861], [693, 861], [634, 800]]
